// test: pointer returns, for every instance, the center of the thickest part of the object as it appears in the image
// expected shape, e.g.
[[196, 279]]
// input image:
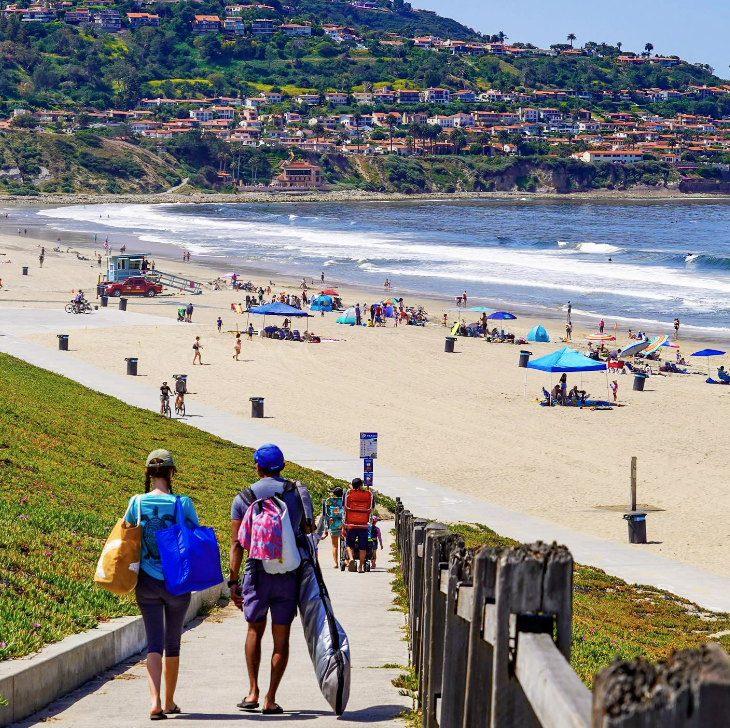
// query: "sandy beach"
[[460, 420]]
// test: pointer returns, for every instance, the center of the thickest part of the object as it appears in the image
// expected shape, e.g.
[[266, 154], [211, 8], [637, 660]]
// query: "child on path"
[[614, 389], [197, 346], [375, 538]]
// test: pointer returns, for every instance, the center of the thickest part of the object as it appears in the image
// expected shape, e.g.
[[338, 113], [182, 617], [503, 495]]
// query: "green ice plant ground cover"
[[70, 458]]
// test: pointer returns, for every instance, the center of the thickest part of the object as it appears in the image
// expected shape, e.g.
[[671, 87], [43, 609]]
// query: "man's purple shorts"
[[276, 592]]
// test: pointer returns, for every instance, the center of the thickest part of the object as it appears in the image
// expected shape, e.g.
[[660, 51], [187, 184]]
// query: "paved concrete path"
[[213, 674], [635, 564]]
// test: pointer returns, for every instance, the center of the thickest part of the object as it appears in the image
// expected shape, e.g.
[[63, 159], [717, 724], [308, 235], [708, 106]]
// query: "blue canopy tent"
[[277, 309], [538, 333], [321, 303], [566, 360], [708, 353]]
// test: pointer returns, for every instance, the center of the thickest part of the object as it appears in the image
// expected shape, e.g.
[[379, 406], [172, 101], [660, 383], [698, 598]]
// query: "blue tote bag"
[[190, 557]]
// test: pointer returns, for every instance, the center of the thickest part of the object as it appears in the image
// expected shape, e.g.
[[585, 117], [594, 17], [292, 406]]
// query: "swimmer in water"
[[610, 260]]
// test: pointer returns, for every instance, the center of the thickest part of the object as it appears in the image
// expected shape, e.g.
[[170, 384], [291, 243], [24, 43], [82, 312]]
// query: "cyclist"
[[80, 301], [164, 396], [181, 389]]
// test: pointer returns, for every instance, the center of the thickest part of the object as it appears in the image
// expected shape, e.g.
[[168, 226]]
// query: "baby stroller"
[[367, 566]]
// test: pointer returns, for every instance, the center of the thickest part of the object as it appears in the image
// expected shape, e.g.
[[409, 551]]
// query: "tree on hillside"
[[318, 131], [458, 139], [619, 45], [356, 117], [648, 48], [571, 38], [391, 120]]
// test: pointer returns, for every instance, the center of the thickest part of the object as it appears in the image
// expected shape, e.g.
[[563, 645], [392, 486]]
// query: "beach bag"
[[190, 557], [358, 507], [266, 533], [329, 648], [118, 566]]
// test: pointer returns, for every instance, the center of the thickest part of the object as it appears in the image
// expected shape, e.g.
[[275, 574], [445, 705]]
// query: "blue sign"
[[367, 464], [368, 444], [368, 480]]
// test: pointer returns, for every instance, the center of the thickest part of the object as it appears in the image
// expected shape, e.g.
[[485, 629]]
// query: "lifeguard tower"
[[125, 266]]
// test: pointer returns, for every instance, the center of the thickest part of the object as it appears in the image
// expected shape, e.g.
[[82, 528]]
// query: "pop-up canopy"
[[277, 309], [566, 360]]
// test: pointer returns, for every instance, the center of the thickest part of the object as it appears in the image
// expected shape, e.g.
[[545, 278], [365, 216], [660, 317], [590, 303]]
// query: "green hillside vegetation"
[[69, 460]]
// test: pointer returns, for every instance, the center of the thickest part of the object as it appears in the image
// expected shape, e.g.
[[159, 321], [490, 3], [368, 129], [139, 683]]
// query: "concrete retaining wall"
[[31, 683]]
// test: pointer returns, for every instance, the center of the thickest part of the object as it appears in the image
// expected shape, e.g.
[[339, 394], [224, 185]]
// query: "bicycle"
[[180, 410], [166, 411], [75, 307]]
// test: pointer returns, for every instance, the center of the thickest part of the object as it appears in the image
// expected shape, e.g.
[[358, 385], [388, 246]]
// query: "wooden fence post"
[[456, 641], [690, 690], [480, 653], [532, 595], [438, 542], [415, 590]]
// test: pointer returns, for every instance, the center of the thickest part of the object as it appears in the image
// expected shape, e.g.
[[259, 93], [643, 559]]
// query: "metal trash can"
[[25, 270], [637, 526], [257, 407], [524, 358], [100, 288], [639, 381], [132, 366], [62, 342], [104, 301], [122, 304], [450, 341]]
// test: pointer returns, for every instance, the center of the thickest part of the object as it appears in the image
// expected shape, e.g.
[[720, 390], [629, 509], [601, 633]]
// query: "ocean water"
[[640, 261]]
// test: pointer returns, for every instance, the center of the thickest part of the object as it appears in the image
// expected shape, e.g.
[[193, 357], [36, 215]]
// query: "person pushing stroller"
[[359, 504]]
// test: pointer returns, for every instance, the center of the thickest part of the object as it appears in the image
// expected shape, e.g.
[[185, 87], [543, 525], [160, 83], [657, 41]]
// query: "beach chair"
[[296, 336]]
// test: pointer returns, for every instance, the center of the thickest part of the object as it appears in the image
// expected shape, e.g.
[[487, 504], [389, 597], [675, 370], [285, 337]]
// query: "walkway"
[[213, 670], [634, 564]]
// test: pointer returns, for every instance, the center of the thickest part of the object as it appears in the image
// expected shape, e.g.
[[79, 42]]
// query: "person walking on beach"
[[197, 346], [601, 325], [676, 328], [189, 313], [162, 613], [42, 256], [614, 389], [98, 260], [237, 347], [463, 298], [359, 504], [569, 331], [219, 324], [570, 308], [322, 277], [263, 592], [358, 316], [250, 332], [332, 514]]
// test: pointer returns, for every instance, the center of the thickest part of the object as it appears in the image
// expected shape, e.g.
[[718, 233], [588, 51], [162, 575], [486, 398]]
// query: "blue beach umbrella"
[[501, 316], [708, 353]]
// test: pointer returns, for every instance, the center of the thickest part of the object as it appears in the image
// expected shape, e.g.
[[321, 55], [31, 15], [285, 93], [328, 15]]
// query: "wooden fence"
[[490, 638]]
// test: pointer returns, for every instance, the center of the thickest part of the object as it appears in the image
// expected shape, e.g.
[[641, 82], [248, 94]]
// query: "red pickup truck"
[[136, 286]]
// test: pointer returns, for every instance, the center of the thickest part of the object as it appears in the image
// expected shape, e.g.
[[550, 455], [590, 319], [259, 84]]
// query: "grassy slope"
[[612, 618], [69, 460]]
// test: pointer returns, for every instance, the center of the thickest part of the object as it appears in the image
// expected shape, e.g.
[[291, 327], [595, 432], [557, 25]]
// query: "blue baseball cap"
[[269, 457]]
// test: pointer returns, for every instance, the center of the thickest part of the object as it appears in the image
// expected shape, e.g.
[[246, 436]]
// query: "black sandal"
[[245, 705], [158, 716], [276, 710], [173, 711]]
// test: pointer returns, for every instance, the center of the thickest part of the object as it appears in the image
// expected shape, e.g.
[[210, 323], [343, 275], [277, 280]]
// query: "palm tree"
[[502, 37], [619, 45], [319, 131], [357, 116], [571, 38], [391, 120], [649, 47]]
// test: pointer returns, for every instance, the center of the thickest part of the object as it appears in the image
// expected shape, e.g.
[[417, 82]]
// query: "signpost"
[[368, 453]]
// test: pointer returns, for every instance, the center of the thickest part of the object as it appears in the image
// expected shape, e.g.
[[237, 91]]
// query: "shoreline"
[[638, 193]]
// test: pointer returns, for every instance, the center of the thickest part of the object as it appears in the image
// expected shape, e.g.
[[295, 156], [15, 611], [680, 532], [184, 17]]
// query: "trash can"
[[122, 304], [25, 270], [257, 407], [637, 526], [104, 301], [639, 380], [524, 358], [62, 342], [132, 366], [450, 341], [100, 288]]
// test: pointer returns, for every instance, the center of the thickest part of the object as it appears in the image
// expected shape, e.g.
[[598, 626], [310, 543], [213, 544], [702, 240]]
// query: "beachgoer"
[[569, 331], [463, 296], [614, 389], [676, 328], [164, 396], [41, 258], [181, 389], [601, 325], [358, 315], [219, 324], [322, 277], [197, 346], [563, 386], [332, 514], [570, 308], [98, 259], [163, 613], [263, 592], [445, 320], [189, 313], [250, 332], [358, 507], [375, 538], [237, 346]]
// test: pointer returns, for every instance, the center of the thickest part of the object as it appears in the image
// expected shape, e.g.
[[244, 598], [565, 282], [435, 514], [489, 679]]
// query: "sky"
[[695, 30]]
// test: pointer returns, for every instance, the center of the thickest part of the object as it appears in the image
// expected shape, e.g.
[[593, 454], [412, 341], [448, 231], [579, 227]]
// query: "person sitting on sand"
[[556, 394]]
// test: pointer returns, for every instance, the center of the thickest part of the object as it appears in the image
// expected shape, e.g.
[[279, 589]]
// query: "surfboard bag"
[[328, 646]]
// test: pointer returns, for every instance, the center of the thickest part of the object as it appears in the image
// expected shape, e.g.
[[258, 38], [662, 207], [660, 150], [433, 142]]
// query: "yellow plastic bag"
[[118, 566]]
